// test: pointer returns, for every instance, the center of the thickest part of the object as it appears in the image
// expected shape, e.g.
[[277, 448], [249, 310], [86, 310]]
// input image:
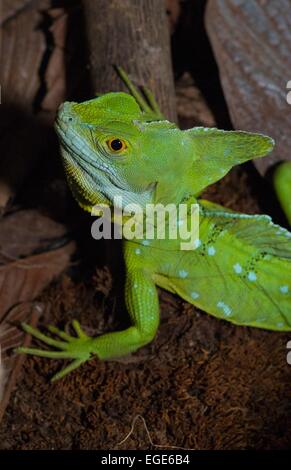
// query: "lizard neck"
[[156, 221]]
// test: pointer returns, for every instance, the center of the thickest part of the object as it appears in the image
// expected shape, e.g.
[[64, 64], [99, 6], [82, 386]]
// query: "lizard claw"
[[80, 348]]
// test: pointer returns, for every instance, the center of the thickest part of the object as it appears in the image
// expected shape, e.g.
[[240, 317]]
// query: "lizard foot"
[[80, 348]]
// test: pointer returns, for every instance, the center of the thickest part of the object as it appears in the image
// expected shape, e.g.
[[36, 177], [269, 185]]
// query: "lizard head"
[[110, 149]]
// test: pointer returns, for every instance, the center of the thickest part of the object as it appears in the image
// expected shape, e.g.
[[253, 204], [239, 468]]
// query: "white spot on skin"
[[237, 268], [211, 251], [226, 309], [145, 242], [197, 243], [137, 251], [135, 285], [195, 295], [183, 273], [284, 289], [252, 276], [280, 325]]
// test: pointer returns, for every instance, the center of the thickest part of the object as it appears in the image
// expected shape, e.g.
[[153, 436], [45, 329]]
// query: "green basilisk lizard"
[[240, 269]]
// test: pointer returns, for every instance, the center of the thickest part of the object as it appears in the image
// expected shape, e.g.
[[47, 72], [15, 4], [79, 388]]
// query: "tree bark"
[[133, 34]]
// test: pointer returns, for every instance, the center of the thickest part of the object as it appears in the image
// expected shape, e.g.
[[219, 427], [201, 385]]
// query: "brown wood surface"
[[133, 34], [251, 40]]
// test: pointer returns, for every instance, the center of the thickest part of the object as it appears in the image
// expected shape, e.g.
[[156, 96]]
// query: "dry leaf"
[[12, 337], [22, 47], [27, 232], [251, 42], [23, 280], [20, 282]]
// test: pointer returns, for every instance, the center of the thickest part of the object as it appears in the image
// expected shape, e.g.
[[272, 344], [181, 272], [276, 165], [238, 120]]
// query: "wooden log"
[[133, 34], [252, 42]]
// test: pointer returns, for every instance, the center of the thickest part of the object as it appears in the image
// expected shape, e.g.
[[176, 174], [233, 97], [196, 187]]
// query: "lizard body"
[[239, 271]]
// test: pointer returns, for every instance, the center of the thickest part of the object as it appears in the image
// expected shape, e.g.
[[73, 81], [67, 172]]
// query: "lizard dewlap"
[[239, 270]]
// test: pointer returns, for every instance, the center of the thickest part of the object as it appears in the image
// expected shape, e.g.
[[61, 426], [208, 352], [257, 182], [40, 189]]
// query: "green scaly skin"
[[241, 270], [282, 185]]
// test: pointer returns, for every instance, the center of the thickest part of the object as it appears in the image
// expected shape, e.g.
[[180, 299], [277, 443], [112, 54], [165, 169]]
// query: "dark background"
[[203, 383]]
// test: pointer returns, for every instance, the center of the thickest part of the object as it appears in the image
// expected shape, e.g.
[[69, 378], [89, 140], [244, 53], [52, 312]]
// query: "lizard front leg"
[[143, 306], [142, 303]]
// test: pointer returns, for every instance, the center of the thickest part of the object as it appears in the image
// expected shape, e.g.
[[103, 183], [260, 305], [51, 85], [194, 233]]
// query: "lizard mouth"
[[93, 175], [89, 176]]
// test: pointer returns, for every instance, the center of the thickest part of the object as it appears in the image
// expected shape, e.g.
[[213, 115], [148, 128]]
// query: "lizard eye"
[[116, 145]]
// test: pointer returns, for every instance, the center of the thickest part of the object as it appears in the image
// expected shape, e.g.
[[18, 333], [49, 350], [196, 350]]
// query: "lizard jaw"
[[91, 179]]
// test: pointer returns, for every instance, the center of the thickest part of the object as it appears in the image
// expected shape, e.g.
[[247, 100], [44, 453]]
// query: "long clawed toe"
[[62, 334], [79, 332], [44, 353], [72, 366], [44, 338], [66, 345], [62, 346]]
